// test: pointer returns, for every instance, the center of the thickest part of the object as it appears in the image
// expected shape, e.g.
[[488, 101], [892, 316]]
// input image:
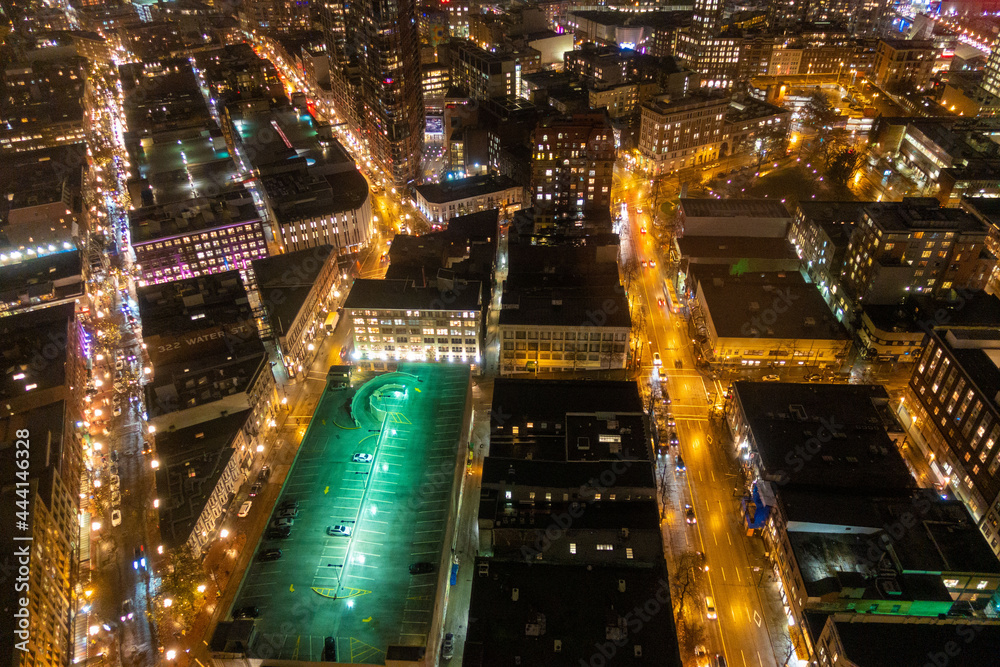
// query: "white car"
[[245, 509], [339, 529], [656, 359], [361, 457], [116, 517], [117, 411]]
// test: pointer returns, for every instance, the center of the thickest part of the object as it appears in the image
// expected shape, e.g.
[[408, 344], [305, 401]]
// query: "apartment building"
[[902, 64], [398, 320], [915, 246], [679, 133], [484, 74], [440, 202], [953, 404], [571, 171]]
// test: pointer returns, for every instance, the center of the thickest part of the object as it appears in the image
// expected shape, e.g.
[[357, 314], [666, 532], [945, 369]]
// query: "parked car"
[[289, 503], [771, 378], [117, 412], [116, 517], [255, 489], [245, 509], [282, 521], [278, 533], [269, 555], [264, 473], [422, 567], [339, 529], [813, 377], [287, 513], [448, 647], [330, 649], [248, 611], [361, 457], [114, 455]]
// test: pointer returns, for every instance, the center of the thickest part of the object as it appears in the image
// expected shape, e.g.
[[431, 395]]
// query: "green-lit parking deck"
[[359, 589]]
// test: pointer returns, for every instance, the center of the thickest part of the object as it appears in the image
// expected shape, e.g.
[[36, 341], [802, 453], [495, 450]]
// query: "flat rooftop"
[[986, 209], [969, 309], [193, 304], [867, 641], [285, 281], [517, 401], [638, 474], [912, 215], [707, 247], [825, 212], [153, 223], [733, 208], [279, 133], [562, 612], [575, 309], [405, 295], [784, 416], [735, 304], [185, 168], [34, 350], [192, 461], [413, 422], [303, 193], [978, 351], [464, 188]]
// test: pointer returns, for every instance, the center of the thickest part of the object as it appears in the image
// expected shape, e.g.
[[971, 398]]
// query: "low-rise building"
[[734, 217], [763, 319], [564, 309], [43, 282], [439, 202], [398, 320], [903, 64], [194, 317], [193, 390], [201, 467], [197, 237], [297, 292], [756, 127], [978, 178], [987, 210]]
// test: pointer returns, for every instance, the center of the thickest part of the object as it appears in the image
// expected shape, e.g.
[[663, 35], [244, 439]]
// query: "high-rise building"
[[571, 170], [382, 36], [989, 89], [679, 133], [285, 16], [715, 58]]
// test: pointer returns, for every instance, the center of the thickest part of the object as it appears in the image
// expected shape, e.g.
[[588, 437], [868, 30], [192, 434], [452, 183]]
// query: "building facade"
[[439, 203], [680, 133]]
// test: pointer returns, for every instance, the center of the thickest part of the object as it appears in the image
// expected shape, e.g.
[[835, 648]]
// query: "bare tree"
[[687, 602]]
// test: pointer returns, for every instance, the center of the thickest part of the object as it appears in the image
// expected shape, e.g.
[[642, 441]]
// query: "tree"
[[179, 584], [687, 602], [843, 164], [820, 110]]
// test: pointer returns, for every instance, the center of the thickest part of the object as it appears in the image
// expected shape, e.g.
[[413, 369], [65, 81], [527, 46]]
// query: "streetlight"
[[224, 533]]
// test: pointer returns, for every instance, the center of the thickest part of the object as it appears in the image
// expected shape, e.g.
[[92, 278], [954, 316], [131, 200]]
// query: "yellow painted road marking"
[[417, 389], [291, 588], [420, 597], [326, 490], [353, 592], [326, 592], [366, 620], [363, 652]]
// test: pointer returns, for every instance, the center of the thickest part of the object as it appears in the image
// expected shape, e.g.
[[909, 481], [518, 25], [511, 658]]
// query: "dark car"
[[290, 503], [248, 611], [330, 650], [279, 533], [422, 567], [679, 464], [127, 612], [255, 489], [674, 441], [264, 473], [114, 455], [269, 555], [689, 514], [139, 560], [448, 647]]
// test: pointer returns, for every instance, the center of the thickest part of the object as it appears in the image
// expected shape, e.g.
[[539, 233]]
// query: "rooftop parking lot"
[[359, 525]]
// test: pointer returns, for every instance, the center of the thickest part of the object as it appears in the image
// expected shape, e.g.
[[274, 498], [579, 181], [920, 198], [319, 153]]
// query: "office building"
[[571, 171], [714, 56], [399, 320], [43, 105], [484, 74], [760, 218], [915, 246], [196, 237], [275, 16]]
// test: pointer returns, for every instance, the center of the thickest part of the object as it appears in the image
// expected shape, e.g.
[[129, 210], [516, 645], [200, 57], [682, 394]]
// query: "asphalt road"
[[741, 631]]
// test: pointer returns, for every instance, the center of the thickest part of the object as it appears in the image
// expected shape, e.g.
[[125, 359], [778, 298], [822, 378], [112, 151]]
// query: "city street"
[[744, 630]]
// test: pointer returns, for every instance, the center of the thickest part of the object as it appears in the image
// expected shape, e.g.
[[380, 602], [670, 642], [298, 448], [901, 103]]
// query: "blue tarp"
[[454, 573]]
